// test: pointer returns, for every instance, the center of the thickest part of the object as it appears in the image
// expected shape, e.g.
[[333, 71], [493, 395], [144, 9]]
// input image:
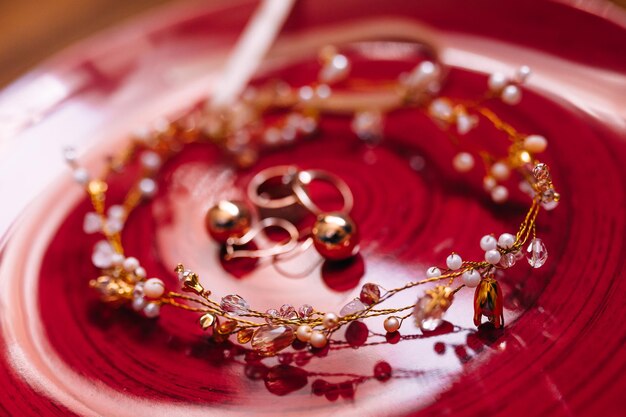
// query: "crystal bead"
[[288, 312], [549, 195], [272, 312], [226, 327], [269, 340], [508, 260], [234, 304], [536, 254], [430, 308], [92, 223], [541, 173], [305, 311], [244, 335], [353, 307], [370, 293]]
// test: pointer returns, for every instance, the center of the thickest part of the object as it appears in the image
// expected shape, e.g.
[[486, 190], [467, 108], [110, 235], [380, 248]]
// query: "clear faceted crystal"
[[305, 311], [287, 311], [272, 312], [541, 173], [234, 304], [508, 260], [427, 315], [353, 307], [536, 254], [269, 340], [431, 307]]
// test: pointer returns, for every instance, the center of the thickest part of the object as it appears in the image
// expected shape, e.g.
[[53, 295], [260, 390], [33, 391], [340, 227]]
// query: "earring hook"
[[279, 248], [286, 172]]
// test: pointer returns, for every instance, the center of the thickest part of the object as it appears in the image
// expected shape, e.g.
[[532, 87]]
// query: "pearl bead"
[[306, 93], [150, 160], [116, 212], [511, 94], [463, 162], [148, 187], [117, 259], [500, 171], [523, 73], [330, 320], [488, 242], [81, 176], [317, 339], [70, 155], [492, 256], [454, 261], [140, 272], [506, 240], [153, 288], [497, 81], [303, 333], [323, 91], [471, 278], [535, 143], [391, 324], [433, 272], [130, 264], [489, 183], [138, 303], [499, 194], [152, 310]]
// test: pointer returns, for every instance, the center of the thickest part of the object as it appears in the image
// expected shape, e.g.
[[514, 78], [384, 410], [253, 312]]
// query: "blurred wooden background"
[[32, 30]]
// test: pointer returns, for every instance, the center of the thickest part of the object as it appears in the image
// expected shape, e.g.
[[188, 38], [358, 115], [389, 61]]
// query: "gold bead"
[[335, 236], [228, 219], [207, 320]]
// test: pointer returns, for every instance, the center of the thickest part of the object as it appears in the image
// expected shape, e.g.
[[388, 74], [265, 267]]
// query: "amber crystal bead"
[[244, 335], [226, 327], [370, 293], [269, 340]]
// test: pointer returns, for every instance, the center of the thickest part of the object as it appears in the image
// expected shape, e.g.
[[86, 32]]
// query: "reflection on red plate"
[[560, 353]]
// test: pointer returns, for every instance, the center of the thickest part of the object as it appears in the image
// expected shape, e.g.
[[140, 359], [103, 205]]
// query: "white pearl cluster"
[[508, 89], [442, 109], [145, 295], [493, 249], [111, 224]]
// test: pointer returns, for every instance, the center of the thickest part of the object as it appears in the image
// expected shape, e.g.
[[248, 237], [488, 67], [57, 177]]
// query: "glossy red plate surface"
[[562, 350]]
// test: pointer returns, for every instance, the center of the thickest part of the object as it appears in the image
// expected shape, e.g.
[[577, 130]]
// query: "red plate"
[[562, 350]]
